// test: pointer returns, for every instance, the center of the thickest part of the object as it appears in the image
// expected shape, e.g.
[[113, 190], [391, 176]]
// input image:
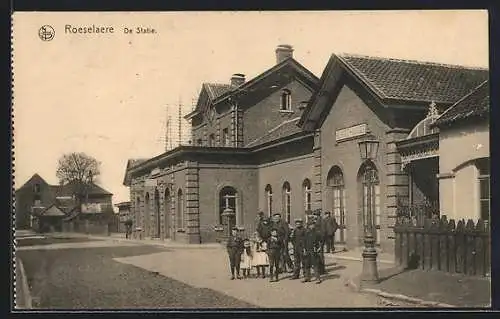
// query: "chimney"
[[283, 52], [303, 105], [237, 79]]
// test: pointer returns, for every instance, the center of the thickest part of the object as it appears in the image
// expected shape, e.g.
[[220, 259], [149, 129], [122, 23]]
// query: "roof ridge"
[[461, 100], [281, 124], [378, 91], [216, 83], [412, 61], [274, 129]]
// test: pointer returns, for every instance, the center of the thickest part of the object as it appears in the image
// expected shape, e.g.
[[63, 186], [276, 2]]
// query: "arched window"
[[287, 201], [483, 169], [335, 181], [371, 198], [36, 188], [269, 200], [180, 210], [137, 211], [167, 208], [306, 185], [228, 198], [157, 219], [146, 214], [286, 100]]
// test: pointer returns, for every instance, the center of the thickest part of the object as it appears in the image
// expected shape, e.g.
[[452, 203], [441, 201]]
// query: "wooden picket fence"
[[439, 244]]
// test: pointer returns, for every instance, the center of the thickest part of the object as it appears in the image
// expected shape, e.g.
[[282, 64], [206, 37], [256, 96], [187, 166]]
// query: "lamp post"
[[368, 151], [229, 214]]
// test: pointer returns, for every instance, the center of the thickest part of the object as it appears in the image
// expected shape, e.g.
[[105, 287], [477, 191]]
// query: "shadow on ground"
[[91, 279], [22, 242]]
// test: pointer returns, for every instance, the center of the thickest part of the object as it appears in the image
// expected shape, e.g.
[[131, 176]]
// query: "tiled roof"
[[474, 104], [215, 90], [285, 129], [68, 190], [136, 161], [415, 80]]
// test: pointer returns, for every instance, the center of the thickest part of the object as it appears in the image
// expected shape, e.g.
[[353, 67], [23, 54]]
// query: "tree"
[[79, 170]]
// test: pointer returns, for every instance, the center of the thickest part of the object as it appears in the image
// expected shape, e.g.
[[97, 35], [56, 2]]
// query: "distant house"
[[124, 215], [48, 207], [32, 198]]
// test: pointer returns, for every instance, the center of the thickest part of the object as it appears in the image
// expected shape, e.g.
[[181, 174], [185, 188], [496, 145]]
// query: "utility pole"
[[180, 121], [167, 130]]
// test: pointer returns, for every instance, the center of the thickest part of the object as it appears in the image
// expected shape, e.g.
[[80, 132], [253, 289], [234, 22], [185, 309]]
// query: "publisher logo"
[[46, 33]]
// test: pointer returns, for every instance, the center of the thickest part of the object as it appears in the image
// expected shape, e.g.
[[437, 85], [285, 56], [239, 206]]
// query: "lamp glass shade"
[[368, 149]]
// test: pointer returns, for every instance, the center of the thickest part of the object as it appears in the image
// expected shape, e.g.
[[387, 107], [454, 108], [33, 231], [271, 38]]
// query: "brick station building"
[[287, 141]]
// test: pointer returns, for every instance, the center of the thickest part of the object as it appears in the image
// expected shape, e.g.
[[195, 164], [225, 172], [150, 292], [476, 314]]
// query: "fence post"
[[470, 248], [411, 245], [452, 247], [479, 257], [460, 247], [397, 244], [420, 247], [404, 243], [427, 245], [434, 230], [443, 247]]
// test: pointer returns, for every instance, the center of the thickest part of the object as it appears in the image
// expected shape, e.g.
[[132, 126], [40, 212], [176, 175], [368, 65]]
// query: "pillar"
[[192, 203], [396, 186], [317, 180]]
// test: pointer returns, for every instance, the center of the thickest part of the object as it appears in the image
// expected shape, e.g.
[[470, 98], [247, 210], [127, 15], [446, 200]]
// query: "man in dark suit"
[[264, 229], [320, 229], [330, 229], [283, 233], [312, 247], [234, 250], [274, 248], [297, 238]]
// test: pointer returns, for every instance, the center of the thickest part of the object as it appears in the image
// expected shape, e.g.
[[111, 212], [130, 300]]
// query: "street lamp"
[[229, 214], [368, 151]]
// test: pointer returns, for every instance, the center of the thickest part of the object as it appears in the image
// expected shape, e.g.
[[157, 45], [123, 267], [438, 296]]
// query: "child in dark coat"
[[234, 249], [274, 247]]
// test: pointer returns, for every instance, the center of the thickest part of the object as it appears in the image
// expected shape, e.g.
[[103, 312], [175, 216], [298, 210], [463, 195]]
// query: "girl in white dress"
[[260, 259], [246, 259]]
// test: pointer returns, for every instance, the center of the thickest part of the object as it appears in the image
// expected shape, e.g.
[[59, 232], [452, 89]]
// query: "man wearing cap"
[[234, 250], [283, 234], [274, 248], [264, 229], [298, 240], [312, 246], [259, 219], [330, 229], [320, 228]]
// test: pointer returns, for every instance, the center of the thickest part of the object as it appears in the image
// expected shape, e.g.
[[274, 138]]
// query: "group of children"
[[254, 256]]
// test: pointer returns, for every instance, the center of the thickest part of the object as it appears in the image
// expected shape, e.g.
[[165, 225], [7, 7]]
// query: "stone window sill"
[[286, 111]]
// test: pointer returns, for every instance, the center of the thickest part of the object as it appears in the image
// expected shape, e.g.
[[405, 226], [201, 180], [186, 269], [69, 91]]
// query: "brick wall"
[[213, 178], [294, 171], [349, 110], [259, 118]]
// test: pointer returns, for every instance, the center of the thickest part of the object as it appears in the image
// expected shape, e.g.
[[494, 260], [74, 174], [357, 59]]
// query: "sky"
[[109, 94]]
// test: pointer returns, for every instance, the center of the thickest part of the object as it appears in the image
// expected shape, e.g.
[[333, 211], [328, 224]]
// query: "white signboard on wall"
[[155, 171], [150, 182], [350, 132], [91, 208]]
